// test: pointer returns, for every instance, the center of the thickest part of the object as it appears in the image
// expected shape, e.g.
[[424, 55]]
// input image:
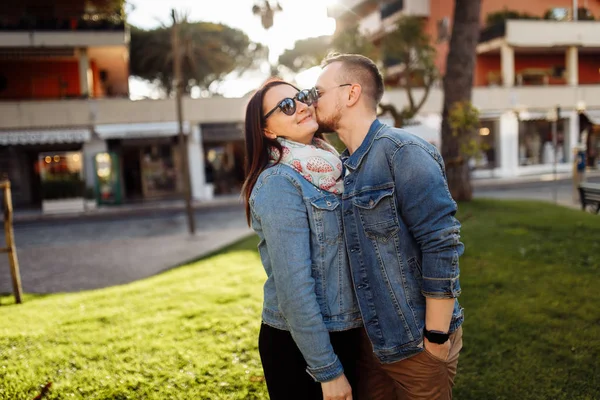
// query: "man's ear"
[[354, 94]]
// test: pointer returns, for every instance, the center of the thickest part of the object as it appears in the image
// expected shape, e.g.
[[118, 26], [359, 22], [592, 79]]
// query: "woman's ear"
[[270, 134]]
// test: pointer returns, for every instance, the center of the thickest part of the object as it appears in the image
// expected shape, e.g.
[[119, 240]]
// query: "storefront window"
[[486, 158], [61, 174], [224, 166], [536, 145], [159, 173]]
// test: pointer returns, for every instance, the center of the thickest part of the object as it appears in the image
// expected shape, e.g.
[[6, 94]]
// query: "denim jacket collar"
[[353, 161]]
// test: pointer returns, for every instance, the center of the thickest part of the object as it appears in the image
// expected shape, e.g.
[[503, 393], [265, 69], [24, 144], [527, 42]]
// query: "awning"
[[533, 116], [137, 131], [46, 136], [593, 116]]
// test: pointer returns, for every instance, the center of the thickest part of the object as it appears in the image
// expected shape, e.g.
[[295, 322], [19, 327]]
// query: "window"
[[536, 146], [443, 30], [488, 136]]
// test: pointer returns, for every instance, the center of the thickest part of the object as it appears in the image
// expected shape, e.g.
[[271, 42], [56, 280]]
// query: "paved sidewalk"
[[70, 256], [490, 183], [561, 192], [85, 266]]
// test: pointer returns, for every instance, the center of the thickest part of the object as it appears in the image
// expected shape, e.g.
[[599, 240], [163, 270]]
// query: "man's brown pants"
[[420, 377]]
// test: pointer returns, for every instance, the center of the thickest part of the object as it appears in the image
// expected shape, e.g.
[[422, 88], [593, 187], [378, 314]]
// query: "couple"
[[361, 252]]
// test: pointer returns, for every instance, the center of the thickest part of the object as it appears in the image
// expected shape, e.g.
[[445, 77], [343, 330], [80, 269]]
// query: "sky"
[[299, 19]]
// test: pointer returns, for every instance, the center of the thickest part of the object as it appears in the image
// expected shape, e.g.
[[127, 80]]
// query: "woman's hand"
[[337, 389]]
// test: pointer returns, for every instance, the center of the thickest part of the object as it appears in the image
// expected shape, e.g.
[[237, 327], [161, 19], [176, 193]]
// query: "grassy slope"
[[530, 290]]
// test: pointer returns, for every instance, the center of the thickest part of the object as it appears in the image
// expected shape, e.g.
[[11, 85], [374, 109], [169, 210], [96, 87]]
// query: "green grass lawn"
[[530, 279]]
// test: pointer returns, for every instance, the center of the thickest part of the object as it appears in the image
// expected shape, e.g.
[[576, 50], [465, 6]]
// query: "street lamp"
[[579, 153], [554, 116], [178, 86]]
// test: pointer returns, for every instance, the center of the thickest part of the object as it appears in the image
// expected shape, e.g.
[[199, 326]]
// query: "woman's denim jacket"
[[309, 290]]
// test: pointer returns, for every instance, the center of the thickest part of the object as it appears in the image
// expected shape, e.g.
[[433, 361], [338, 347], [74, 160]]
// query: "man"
[[401, 236]]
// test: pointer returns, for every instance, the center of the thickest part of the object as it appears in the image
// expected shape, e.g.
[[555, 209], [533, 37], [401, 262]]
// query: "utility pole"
[[555, 119], [267, 14], [176, 50]]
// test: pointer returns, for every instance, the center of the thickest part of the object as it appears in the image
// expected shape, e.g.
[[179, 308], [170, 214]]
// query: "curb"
[[128, 210], [491, 183]]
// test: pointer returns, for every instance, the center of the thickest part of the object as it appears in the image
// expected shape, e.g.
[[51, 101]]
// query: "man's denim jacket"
[[308, 291], [402, 238]]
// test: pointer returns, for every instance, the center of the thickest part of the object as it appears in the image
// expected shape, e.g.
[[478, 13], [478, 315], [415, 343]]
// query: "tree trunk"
[[458, 86]]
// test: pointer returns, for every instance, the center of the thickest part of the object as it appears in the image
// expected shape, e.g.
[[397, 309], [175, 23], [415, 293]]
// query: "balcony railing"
[[392, 8], [94, 22], [544, 33]]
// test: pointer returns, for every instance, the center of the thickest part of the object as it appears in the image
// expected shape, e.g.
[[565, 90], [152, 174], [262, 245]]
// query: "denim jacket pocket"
[[377, 213], [327, 218]]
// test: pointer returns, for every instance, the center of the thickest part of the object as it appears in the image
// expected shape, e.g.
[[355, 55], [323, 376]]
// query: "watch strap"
[[437, 337]]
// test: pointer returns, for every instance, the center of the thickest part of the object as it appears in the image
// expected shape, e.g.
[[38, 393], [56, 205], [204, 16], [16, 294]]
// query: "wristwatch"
[[437, 337]]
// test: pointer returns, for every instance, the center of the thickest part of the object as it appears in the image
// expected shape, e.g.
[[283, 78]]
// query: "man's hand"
[[337, 389], [440, 351]]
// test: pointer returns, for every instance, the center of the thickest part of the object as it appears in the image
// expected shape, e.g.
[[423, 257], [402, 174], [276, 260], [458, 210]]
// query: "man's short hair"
[[359, 69]]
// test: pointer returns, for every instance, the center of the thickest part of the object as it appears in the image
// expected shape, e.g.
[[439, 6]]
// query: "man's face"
[[331, 93]]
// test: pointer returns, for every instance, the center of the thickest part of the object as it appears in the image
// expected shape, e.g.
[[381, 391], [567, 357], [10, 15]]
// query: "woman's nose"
[[301, 107]]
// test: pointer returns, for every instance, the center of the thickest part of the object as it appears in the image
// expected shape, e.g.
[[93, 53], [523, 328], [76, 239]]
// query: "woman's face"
[[299, 127]]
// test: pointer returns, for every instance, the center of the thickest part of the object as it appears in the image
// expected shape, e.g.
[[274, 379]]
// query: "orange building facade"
[[538, 64], [53, 52]]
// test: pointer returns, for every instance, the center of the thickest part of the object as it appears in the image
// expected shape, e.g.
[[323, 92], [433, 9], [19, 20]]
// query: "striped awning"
[[46, 136], [142, 130]]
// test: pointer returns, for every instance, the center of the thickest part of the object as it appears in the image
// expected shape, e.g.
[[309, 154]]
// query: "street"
[[82, 254]]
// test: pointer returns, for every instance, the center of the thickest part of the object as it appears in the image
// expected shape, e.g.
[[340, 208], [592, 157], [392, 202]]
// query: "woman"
[[309, 338]]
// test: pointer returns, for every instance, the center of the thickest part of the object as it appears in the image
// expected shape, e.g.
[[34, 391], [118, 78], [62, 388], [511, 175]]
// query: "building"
[[68, 129], [525, 68]]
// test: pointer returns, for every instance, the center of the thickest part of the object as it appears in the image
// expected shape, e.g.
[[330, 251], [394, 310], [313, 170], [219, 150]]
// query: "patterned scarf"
[[318, 162]]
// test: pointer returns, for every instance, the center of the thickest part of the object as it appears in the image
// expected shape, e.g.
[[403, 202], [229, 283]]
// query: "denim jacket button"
[[371, 202], [328, 203]]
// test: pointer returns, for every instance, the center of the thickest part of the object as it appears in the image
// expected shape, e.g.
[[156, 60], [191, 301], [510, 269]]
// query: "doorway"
[[132, 176]]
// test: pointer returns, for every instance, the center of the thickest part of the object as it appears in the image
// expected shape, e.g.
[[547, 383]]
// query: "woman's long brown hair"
[[257, 144]]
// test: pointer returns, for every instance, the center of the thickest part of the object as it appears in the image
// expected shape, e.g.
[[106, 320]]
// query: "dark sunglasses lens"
[[314, 94], [305, 97], [288, 106]]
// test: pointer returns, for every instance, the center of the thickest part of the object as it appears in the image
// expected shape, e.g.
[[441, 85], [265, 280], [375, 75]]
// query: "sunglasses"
[[318, 93], [288, 105]]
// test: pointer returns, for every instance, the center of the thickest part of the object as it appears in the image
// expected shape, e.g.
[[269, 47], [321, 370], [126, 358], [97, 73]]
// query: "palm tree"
[[458, 88], [266, 12]]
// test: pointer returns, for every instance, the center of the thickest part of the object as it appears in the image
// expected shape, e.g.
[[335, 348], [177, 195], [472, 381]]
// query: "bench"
[[589, 194]]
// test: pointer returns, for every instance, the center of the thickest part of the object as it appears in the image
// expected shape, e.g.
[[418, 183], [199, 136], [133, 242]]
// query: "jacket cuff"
[[328, 372], [441, 288]]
